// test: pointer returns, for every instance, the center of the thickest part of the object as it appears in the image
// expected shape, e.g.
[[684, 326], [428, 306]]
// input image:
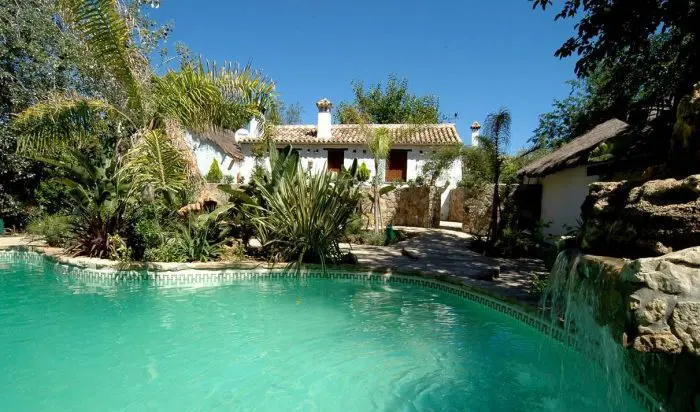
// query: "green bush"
[[214, 175], [363, 173], [53, 229], [302, 217], [170, 251], [198, 239], [51, 197], [355, 225]]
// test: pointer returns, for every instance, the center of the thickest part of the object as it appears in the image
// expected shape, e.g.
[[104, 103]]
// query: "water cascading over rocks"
[[636, 318], [572, 301]]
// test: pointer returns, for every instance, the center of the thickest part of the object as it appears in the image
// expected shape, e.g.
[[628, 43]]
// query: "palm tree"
[[379, 143], [201, 96], [495, 140]]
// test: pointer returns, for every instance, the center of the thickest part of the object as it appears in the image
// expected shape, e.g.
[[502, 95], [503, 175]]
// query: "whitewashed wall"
[[205, 154], [563, 194], [316, 157]]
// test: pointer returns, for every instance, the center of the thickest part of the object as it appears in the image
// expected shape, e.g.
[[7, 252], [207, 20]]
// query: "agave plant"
[[305, 215], [200, 96]]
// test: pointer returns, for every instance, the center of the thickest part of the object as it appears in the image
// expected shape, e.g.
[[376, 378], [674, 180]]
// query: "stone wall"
[[405, 206], [476, 206], [473, 205], [651, 307], [635, 220]]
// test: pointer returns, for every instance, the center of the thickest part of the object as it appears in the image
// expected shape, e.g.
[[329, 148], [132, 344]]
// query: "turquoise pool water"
[[275, 345]]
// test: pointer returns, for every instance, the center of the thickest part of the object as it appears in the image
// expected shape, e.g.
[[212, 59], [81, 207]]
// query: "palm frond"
[[203, 97], [62, 121], [242, 84], [497, 128], [380, 143], [108, 39], [155, 164]]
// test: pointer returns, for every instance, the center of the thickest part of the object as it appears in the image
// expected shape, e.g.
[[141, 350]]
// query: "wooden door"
[[397, 165], [335, 160]]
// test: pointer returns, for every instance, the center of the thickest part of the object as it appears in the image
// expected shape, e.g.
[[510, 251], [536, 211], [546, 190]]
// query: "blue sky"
[[475, 56]]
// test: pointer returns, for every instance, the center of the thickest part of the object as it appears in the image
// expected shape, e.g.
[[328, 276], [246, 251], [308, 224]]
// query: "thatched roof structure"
[[576, 152], [224, 140]]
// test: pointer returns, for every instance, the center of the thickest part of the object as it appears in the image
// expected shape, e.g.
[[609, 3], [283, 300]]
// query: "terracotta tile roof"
[[408, 135]]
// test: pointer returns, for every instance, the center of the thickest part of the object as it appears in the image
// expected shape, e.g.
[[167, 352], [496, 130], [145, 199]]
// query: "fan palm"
[[199, 97]]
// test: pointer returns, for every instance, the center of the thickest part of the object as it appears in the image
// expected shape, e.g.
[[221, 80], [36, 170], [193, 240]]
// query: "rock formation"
[[650, 219]]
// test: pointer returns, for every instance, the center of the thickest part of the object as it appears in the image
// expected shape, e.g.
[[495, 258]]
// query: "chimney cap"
[[476, 126], [324, 105]]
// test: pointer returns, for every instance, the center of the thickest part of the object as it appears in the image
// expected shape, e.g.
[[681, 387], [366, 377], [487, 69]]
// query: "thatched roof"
[[224, 140], [575, 152]]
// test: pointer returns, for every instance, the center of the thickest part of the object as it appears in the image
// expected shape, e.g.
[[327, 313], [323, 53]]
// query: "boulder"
[[685, 324], [665, 303], [661, 342], [649, 219]]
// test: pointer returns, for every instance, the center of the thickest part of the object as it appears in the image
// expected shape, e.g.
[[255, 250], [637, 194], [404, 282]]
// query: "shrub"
[[228, 180], [170, 251], [118, 249], [363, 173], [200, 239], [53, 229], [214, 175], [92, 226], [305, 216], [355, 225]]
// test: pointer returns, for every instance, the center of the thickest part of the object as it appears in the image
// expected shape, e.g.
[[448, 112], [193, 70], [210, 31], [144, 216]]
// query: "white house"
[[566, 173], [325, 145]]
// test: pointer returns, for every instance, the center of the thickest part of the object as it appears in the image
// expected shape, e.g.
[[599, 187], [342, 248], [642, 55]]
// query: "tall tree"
[[609, 30], [632, 87], [390, 104], [495, 141], [39, 56], [282, 113]]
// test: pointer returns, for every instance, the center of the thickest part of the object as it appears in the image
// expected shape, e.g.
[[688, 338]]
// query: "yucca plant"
[[305, 216]]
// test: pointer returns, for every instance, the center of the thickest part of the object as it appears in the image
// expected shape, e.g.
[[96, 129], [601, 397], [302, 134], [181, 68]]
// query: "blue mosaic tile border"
[[227, 276]]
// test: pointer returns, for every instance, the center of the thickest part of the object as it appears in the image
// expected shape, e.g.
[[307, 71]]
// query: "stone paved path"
[[442, 251]]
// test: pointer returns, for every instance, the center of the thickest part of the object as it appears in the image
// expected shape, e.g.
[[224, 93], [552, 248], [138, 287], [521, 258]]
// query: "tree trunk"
[[493, 236], [377, 206]]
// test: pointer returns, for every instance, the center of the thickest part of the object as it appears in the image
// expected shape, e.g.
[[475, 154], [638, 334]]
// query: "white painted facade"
[[205, 153], [315, 158], [563, 194]]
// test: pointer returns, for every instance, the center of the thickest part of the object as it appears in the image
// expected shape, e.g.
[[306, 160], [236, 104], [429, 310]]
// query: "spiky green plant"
[[305, 215]]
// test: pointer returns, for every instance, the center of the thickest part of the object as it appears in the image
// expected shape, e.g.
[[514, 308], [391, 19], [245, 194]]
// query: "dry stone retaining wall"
[[405, 206]]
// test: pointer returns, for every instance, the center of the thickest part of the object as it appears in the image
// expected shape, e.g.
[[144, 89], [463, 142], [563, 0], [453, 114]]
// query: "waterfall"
[[572, 301]]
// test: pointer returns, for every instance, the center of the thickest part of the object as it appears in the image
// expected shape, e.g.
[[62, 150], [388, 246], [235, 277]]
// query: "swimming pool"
[[275, 344]]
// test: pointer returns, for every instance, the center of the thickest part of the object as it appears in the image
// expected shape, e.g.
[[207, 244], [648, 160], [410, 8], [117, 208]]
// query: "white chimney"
[[254, 129], [475, 134], [324, 118]]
